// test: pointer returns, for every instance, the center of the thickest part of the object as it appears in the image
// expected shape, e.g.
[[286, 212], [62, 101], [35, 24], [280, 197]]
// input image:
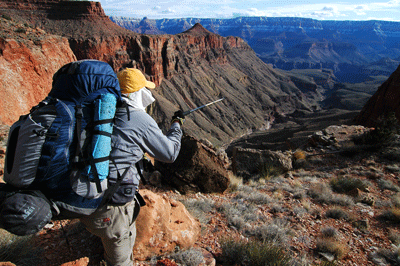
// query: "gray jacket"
[[133, 135]]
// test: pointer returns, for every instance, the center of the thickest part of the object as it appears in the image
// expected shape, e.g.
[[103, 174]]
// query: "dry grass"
[[255, 253], [332, 246]]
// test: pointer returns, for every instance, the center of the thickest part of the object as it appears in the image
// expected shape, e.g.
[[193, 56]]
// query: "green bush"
[[254, 253]]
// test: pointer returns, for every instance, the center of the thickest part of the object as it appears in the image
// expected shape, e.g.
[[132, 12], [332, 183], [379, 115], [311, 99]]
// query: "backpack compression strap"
[[79, 152]]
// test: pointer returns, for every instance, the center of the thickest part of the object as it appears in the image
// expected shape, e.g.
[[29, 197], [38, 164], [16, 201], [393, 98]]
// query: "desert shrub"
[[396, 200], [391, 256], [387, 184], [299, 159], [300, 211], [253, 252], [329, 232], [189, 257], [393, 168], [270, 170], [239, 214], [332, 246], [337, 214], [394, 237], [275, 232], [199, 208], [257, 198], [19, 250], [392, 215], [234, 182], [323, 194], [344, 184]]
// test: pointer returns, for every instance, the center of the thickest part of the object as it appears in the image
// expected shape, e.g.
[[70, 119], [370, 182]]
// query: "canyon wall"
[[190, 68], [385, 101], [28, 59]]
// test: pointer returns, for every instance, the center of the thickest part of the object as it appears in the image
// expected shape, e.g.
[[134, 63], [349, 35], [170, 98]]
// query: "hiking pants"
[[116, 227]]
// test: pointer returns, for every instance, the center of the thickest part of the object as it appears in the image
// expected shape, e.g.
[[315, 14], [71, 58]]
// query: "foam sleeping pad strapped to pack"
[[103, 119]]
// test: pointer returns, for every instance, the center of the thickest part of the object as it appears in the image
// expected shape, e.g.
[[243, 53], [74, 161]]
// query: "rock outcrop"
[[382, 103], [255, 164], [28, 59], [162, 225], [198, 168]]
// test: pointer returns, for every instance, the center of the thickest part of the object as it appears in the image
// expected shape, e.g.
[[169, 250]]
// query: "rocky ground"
[[340, 204]]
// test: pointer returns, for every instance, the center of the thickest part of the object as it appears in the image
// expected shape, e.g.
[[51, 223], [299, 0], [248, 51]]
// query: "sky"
[[388, 10]]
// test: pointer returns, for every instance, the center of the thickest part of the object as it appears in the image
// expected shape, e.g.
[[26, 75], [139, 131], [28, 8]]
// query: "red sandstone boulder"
[[79, 262], [7, 264], [162, 225]]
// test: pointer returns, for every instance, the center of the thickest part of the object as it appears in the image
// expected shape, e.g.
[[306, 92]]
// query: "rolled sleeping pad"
[[105, 108]]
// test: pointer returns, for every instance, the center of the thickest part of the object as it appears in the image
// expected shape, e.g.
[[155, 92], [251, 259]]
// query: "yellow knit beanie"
[[132, 79]]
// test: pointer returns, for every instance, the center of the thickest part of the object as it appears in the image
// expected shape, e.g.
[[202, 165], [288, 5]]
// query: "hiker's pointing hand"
[[178, 117]]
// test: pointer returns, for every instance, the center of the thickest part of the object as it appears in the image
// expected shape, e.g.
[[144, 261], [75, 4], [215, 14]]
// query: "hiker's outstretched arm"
[[162, 147]]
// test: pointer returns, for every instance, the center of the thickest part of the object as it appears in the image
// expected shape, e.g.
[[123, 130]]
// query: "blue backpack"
[[62, 146]]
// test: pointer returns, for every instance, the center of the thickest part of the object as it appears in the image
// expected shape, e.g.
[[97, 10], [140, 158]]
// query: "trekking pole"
[[200, 107]]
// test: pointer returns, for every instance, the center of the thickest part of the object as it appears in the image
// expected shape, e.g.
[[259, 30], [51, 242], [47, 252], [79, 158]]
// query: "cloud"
[[235, 8], [328, 9], [325, 12], [168, 11], [394, 3]]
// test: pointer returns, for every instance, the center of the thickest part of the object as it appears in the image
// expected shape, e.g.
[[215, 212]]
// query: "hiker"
[[134, 134]]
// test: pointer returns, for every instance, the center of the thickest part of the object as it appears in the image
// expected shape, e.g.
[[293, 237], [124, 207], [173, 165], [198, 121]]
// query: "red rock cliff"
[[192, 68], [93, 35], [28, 59]]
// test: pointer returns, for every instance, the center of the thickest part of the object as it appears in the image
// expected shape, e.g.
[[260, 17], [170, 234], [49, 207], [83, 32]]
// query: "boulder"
[[79, 262], [198, 168], [251, 163], [162, 225], [7, 263]]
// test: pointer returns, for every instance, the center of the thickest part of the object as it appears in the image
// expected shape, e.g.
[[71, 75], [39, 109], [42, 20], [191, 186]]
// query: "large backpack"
[[62, 146]]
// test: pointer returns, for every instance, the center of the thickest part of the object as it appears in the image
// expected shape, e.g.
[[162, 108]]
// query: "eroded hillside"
[[191, 69]]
